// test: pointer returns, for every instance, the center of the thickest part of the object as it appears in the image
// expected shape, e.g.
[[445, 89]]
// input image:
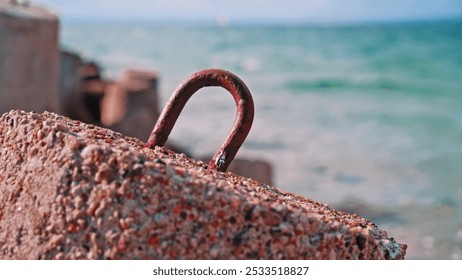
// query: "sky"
[[323, 11]]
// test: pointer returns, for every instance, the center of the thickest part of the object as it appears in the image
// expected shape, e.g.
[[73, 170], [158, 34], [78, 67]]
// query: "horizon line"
[[262, 21]]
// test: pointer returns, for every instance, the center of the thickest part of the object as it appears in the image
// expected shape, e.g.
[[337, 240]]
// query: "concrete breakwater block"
[[29, 58], [69, 190], [130, 105]]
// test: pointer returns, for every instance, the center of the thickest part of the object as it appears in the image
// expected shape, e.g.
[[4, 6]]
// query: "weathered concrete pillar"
[[81, 88], [260, 170], [93, 93], [114, 104], [130, 106], [70, 83], [29, 58]]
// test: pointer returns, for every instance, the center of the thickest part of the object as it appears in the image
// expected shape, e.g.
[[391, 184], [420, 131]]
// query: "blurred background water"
[[366, 118]]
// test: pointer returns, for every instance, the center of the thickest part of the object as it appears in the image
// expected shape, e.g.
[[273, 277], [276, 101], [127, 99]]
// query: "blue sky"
[[258, 10]]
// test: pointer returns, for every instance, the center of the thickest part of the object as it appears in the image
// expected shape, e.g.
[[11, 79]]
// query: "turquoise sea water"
[[366, 118]]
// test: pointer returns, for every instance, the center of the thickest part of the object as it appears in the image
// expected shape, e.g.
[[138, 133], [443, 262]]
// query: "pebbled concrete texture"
[[69, 190]]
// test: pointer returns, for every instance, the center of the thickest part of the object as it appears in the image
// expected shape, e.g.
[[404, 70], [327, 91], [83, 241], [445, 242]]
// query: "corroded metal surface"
[[242, 124]]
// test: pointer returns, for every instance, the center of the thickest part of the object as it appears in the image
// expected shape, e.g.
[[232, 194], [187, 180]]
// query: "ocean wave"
[[347, 86], [303, 85]]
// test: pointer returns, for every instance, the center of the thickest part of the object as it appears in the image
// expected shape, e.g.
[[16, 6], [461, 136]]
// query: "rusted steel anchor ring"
[[242, 123]]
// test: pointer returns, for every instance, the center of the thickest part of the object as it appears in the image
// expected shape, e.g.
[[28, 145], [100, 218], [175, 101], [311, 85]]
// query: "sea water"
[[365, 118]]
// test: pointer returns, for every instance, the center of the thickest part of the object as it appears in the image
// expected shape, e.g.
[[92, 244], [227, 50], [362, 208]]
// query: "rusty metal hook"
[[242, 123]]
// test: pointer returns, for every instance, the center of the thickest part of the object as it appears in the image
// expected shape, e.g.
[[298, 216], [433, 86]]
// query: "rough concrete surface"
[[75, 191]]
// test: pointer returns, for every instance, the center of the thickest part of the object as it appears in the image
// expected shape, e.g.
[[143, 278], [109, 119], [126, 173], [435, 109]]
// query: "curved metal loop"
[[242, 123]]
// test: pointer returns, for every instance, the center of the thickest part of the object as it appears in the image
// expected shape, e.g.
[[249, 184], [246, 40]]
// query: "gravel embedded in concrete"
[[75, 191]]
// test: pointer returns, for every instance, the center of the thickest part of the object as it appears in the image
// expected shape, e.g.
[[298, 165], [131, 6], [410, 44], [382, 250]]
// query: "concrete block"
[[258, 169], [70, 85], [130, 105], [29, 58], [74, 191]]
